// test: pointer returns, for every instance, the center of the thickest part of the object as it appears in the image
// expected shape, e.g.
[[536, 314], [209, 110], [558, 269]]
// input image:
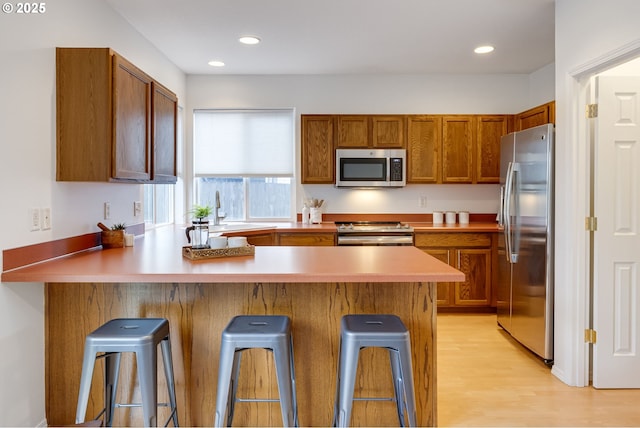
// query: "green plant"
[[118, 226], [201, 211]]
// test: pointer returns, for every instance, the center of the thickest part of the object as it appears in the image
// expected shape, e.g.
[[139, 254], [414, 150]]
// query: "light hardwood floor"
[[485, 378]]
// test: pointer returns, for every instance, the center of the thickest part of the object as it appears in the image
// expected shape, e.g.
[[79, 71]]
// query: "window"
[[247, 157], [158, 204]]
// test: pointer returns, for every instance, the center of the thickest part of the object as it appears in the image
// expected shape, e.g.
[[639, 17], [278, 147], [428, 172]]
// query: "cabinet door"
[[458, 137], [318, 153], [424, 141], [533, 117], [475, 290], [388, 132], [165, 110], [131, 156], [445, 289], [489, 131], [353, 131]]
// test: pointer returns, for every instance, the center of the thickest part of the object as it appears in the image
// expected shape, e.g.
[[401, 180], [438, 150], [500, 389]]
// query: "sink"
[[238, 227]]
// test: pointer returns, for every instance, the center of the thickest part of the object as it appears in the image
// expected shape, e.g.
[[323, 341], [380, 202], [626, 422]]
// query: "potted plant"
[[113, 237], [201, 212]]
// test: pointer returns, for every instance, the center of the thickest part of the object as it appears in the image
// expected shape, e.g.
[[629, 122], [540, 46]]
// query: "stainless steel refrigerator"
[[525, 248]]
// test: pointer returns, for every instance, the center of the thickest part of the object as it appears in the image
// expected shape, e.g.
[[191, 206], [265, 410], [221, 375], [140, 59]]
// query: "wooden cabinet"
[[353, 132], [458, 140], [307, 238], [536, 116], [455, 148], [317, 151], [424, 148], [371, 131], [164, 134], [113, 122], [489, 130], [262, 239], [472, 254]]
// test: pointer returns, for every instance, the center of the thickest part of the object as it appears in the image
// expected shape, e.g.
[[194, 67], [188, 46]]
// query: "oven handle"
[[375, 240]]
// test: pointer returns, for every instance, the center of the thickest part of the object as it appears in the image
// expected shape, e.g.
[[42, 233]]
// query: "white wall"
[[376, 94], [586, 30], [27, 173]]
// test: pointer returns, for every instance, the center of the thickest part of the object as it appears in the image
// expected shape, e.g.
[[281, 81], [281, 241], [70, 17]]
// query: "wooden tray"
[[210, 253]]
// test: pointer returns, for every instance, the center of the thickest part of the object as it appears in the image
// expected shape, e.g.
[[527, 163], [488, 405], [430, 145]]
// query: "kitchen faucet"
[[216, 217]]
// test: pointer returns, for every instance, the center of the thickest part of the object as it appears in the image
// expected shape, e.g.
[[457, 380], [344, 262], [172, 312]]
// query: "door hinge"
[[590, 335], [591, 224], [591, 111]]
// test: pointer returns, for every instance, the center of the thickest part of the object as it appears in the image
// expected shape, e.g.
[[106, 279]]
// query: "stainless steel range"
[[374, 233]]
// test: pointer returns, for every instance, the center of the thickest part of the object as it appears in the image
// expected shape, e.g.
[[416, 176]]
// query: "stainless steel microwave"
[[371, 167]]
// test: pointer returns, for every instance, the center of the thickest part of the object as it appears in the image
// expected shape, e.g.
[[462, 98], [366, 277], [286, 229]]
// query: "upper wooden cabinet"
[[540, 115], [164, 134], [489, 131], [114, 123], [318, 152], [371, 131], [455, 148], [424, 148], [458, 141]]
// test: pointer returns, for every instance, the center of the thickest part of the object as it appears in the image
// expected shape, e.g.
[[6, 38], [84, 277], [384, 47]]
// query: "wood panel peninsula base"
[[315, 286], [197, 315]]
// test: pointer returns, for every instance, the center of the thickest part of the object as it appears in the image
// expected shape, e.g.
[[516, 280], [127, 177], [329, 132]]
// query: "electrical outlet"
[[46, 218], [137, 208], [422, 201], [34, 219], [107, 210]]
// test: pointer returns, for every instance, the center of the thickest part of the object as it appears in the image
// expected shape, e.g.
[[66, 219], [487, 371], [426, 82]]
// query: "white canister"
[[316, 215], [450, 217], [128, 239], [463, 217], [438, 217], [306, 215]]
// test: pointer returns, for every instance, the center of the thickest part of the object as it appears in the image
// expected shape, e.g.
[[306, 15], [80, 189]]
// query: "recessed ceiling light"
[[483, 49], [216, 63], [249, 40]]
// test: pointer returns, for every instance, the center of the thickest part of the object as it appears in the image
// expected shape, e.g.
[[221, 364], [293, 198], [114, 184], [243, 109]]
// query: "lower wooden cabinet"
[[472, 253], [312, 239]]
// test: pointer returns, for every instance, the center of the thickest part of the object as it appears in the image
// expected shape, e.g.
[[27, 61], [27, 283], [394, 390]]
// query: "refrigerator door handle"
[[511, 238], [506, 212]]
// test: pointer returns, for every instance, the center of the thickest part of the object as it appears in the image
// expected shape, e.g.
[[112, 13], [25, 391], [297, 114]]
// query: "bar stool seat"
[[140, 336], [271, 332], [373, 330]]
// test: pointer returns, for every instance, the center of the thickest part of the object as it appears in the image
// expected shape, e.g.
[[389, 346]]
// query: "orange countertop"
[[157, 257]]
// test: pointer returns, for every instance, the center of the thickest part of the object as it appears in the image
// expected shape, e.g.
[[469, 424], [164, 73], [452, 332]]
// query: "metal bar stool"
[[383, 331], [271, 332], [140, 336]]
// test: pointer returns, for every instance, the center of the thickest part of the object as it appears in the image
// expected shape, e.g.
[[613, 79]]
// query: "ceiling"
[[347, 36]]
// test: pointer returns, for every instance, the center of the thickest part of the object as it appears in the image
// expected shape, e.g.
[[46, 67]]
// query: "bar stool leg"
[[111, 372], [398, 384], [284, 375], [227, 363], [165, 346], [146, 358], [408, 384], [346, 382], [85, 383]]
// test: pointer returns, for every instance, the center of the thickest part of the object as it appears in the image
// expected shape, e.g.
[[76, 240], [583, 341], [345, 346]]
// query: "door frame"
[[580, 94]]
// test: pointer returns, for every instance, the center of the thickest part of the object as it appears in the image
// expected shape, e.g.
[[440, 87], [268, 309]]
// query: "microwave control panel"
[[395, 173]]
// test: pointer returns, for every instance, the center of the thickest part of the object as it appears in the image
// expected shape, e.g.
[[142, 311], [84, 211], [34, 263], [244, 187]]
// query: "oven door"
[[375, 240]]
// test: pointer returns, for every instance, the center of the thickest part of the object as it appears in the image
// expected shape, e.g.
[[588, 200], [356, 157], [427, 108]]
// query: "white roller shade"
[[243, 142]]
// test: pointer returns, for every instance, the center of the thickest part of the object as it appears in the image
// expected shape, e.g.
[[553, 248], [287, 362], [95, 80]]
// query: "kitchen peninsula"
[[315, 286]]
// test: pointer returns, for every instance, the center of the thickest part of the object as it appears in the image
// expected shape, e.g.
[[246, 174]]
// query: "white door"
[[616, 293]]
